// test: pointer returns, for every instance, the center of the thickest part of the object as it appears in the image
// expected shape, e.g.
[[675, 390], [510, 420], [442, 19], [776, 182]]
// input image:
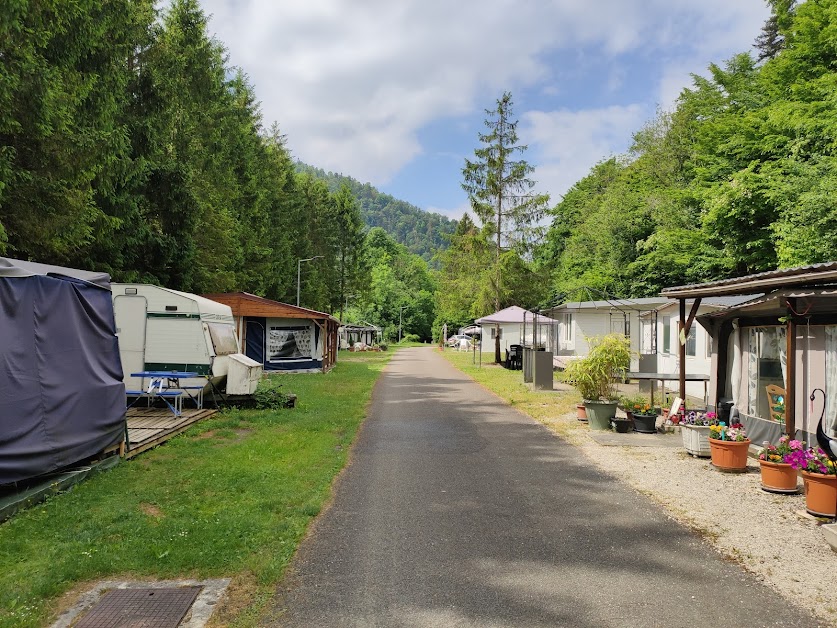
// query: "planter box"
[[729, 456], [820, 494], [778, 477], [696, 440]]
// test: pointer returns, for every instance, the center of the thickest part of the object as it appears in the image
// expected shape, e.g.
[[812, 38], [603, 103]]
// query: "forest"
[[129, 144]]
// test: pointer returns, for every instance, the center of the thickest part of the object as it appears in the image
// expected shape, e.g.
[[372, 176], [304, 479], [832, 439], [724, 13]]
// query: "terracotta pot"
[[729, 456], [820, 494], [778, 477], [581, 412]]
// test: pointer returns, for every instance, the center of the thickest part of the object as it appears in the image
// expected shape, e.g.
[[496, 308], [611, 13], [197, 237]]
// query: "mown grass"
[[540, 405], [231, 497]]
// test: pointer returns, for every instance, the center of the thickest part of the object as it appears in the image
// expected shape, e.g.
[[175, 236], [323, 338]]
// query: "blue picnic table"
[[165, 385]]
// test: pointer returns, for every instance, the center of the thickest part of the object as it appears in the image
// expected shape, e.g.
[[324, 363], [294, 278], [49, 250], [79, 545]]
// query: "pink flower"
[[795, 444]]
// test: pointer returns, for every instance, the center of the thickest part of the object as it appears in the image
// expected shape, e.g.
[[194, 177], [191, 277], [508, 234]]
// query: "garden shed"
[[281, 336], [771, 352], [62, 400]]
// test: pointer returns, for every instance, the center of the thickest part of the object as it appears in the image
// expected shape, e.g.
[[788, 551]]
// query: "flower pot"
[[696, 440], [645, 423], [820, 494], [599, 414], [622, 426], [778, 477], [729, 456], [581, 412]]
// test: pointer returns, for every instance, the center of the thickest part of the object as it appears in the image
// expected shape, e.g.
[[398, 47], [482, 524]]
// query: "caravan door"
[[130, 313]]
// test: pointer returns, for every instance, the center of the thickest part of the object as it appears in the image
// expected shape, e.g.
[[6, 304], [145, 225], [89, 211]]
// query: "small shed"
[[281, 336], [62, 400]]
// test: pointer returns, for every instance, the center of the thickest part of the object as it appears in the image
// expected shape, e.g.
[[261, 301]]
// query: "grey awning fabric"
[[20, 268], [62, 399]]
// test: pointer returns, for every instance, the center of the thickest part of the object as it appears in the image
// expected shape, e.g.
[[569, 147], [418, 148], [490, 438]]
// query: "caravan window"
[[289, 343], [223, 338]]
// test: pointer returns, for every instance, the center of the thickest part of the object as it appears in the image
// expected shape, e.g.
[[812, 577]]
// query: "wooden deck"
[[149, 427]]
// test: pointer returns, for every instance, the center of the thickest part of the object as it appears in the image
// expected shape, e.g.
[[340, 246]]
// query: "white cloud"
[[564, 145], [352, 83]]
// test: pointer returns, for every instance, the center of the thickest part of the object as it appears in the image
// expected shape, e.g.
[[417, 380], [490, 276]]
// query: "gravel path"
[[769, 535]]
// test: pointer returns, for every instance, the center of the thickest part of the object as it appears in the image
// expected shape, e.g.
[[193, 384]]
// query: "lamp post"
[[400, 311], [298, 268]]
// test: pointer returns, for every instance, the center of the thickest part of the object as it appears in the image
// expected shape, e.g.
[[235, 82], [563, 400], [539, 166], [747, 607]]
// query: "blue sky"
[[394, 93]]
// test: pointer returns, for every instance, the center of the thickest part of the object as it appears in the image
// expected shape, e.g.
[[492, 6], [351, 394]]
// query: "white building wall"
[[669, 361]]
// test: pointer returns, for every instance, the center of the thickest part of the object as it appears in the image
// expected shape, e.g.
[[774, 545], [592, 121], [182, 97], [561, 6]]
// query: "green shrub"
[[269, 397], [595, 375]]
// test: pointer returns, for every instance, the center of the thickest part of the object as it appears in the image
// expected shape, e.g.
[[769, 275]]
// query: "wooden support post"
[[681, 344], [790, 380]]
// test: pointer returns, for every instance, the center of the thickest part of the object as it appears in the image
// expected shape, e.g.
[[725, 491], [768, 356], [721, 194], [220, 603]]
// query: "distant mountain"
[[420, 231]]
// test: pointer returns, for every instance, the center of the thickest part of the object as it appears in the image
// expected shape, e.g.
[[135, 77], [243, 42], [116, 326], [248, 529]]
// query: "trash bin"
[[724, 407]]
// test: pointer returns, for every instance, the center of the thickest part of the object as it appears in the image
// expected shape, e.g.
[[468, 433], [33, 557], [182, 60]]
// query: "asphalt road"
[[456, 510]]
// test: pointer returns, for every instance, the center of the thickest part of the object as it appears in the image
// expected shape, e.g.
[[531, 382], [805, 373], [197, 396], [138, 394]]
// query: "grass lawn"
[[540, 405], [231, 497]]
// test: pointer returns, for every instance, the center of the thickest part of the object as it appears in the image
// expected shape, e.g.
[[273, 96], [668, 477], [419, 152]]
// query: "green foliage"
[[423, 233], [595, 375], [268, 396]]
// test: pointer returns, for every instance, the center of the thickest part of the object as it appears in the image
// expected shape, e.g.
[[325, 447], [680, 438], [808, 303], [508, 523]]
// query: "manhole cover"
[[140, 608]]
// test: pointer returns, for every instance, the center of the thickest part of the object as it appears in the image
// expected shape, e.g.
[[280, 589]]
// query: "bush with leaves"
[[595, 375], [269, 397]]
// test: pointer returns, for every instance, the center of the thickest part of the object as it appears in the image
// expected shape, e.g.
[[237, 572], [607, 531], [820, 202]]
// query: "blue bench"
[[165, 395]]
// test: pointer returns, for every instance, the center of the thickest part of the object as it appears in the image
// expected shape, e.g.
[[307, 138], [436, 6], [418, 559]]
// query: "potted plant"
[[622, 425], [595, 376], [777, 474], [819, 478], [728, 447], [694, 427], [645, 418]]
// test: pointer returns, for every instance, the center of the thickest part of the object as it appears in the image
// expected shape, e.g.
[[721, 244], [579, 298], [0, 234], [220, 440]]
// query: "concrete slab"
[[634, 439]]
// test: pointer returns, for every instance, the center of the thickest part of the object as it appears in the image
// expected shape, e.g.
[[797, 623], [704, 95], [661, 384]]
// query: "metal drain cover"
[[141, 608]]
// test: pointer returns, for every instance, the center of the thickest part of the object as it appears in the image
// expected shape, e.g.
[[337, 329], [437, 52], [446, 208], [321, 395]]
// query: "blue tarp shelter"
[[62, 399]]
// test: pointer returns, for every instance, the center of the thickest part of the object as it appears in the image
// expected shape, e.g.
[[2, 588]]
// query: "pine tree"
[[501, 192]]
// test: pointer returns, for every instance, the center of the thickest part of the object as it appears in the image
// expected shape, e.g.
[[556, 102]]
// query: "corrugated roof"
[[813, 275], [513, 314], [643, 303]]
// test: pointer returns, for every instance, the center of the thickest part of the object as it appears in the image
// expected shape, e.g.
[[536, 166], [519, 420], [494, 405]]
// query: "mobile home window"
[[568, 327], [496, 333], [691, 342], [666, 334], [223, 338]]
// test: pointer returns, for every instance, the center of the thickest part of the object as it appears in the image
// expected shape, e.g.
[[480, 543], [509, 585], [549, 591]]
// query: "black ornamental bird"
[[827, 443]]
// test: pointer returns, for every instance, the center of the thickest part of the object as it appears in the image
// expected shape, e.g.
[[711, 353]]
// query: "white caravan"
[[166, 330]]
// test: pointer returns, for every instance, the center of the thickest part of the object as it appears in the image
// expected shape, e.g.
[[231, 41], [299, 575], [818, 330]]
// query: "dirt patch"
[[242, 595], [152, 511], [206, 435]]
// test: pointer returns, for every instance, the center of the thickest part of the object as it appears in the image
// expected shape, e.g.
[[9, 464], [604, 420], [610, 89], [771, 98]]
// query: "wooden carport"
[[244, 305]]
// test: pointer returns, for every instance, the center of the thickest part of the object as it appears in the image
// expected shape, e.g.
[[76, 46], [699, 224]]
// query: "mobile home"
[[160, 329]]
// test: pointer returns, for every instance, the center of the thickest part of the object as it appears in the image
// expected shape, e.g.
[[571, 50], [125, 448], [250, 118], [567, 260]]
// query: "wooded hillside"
[[423, 233]]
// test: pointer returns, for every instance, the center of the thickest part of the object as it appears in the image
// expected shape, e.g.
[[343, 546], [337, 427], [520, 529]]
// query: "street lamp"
[[298, 267], [400, 311]]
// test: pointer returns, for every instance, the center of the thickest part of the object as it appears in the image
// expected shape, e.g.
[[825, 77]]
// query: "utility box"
[[542, 370], [243, 374]]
